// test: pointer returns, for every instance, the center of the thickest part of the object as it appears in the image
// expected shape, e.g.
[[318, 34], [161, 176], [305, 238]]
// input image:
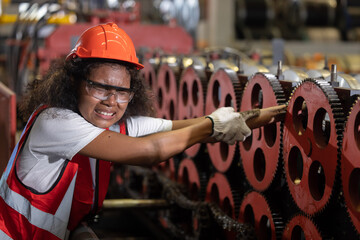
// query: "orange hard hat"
[[105, 41]]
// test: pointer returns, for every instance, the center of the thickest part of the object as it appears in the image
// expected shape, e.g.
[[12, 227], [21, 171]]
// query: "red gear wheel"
[[224, 90], [188, 176], [260, 151], [167, 87], [167, 168], [350, 165], [301, 227], [312, 135], [149, 75], [256, 211], [220, 191], [191, 103]]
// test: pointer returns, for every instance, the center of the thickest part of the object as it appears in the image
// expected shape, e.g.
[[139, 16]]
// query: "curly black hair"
[[60, 86]]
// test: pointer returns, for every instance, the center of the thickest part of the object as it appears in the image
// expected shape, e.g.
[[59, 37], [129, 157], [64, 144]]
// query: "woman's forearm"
[[178, 124], [174, 142], [150, 149]]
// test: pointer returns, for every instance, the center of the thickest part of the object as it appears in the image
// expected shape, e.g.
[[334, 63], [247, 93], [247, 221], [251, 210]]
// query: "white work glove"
[[230, 126]]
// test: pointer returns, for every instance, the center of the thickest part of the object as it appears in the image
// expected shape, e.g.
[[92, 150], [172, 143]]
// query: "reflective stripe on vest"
[[4, 236], [27, 215], [55, 224]]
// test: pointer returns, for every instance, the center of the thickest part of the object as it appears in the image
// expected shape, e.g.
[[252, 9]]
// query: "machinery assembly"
[[297, 176], [289, 178]]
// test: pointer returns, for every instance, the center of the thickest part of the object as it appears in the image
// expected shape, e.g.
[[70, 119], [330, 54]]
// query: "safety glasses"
[[104, 92]]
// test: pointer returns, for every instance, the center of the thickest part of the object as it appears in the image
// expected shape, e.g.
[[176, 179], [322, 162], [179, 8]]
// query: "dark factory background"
[[298, 178]]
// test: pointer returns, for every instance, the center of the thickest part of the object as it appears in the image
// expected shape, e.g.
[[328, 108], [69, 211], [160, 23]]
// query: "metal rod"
[[333, 73], [135, 203], [280, 75]]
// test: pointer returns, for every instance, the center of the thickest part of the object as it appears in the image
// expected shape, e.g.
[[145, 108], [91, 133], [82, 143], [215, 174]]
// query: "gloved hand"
[[230, 126]]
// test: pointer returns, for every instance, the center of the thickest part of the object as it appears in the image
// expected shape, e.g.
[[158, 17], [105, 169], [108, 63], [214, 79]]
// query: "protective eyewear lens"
[[104, 92]]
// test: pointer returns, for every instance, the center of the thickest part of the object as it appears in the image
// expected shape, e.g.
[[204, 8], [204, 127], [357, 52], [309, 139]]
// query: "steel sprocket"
[[312, 142]]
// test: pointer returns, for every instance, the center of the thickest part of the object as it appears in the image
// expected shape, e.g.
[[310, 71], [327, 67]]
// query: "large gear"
[[167, 168], [192, 95], [226, 196], [312, 140], [260, 153], [149, 75], [350, 165], [256, 211], [301, 227], [194, 182], [167, 87], [224, 90], [220, 191], [189, 176]]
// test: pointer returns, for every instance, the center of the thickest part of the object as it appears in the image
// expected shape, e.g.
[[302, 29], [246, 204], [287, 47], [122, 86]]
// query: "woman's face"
[[104, 113]]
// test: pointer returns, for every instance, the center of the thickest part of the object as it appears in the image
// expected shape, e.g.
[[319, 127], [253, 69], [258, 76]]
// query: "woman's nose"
[[111, 99]]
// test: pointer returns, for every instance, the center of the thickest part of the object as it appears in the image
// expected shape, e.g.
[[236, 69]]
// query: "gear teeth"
[[356, 100], [203, 182], [338, 115], [309, 221], [276, 216], [281, 99]]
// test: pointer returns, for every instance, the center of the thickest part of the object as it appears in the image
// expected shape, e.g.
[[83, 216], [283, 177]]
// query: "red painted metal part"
[[301, 227], [255, 207], [150, 77], [222, 92], [168, 39], [188, 175], [167, 89], [191, 101], [149, 74], [260, 151], [219, 191], [350, 165], [310, 162], [167, 168], [7, 125]]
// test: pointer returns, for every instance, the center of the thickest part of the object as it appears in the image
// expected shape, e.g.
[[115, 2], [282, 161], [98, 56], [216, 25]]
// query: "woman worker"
[[91, 106]]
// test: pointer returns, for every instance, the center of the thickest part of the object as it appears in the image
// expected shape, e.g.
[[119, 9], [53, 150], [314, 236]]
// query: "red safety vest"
[[26, 214]]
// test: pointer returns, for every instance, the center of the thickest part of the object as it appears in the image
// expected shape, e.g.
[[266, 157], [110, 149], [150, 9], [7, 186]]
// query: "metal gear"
[[220, 191], [350, 165], [167, 168], [195, 184], [256, 211], [301, 227], [312, 140], [224, 90], [188, 175], [191, 102], [226, 196], [261, 152], [167, 87], [149, 75]]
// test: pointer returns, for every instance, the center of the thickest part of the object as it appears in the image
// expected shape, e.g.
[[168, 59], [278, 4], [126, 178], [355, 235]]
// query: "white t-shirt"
[[59, 134]]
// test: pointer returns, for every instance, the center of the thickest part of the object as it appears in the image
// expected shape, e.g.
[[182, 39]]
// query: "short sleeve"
[[141, 126], [61, 132]]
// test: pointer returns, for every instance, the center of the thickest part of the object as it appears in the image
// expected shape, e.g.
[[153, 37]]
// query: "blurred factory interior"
[[200, 55]]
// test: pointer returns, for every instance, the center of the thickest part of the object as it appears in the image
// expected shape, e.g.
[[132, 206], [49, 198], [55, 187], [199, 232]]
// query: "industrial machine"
[[294, 178], [291, 178]]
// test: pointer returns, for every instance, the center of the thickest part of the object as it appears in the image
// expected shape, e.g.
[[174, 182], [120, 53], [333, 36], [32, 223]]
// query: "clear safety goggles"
[[104, 92]]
